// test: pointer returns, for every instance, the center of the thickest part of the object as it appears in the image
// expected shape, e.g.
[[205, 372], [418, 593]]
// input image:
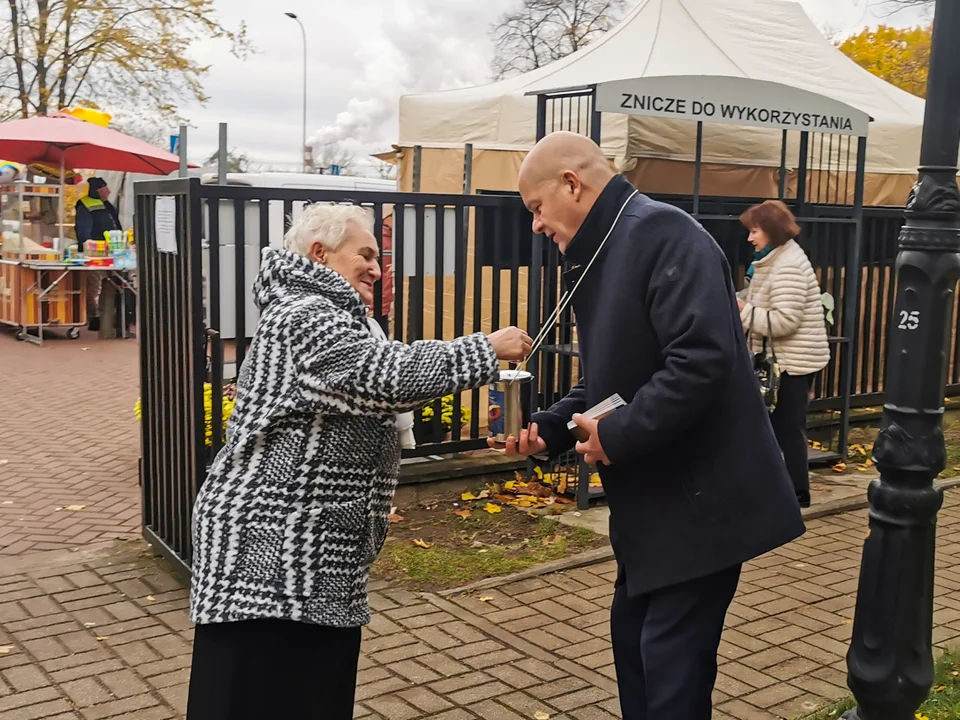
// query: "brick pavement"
[[100, 634], [68, 437]]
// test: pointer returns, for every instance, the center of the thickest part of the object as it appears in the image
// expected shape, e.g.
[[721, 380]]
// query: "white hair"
[[325, 223]]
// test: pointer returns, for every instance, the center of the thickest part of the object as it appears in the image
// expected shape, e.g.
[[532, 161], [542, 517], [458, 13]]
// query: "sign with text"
[[733, 101]]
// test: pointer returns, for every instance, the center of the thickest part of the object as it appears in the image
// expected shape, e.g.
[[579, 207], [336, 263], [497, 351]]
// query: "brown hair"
[[775, 219]]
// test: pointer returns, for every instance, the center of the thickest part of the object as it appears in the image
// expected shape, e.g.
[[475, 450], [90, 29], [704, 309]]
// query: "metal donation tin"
[[509, 405]]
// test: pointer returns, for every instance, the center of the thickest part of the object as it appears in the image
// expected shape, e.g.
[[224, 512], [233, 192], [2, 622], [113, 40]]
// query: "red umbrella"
[[67, 142]]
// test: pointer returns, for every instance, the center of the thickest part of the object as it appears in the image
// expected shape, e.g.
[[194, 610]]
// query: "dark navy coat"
[[697, 483]]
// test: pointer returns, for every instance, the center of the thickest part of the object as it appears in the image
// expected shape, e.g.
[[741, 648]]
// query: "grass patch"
[[942, 704], [462, 550]]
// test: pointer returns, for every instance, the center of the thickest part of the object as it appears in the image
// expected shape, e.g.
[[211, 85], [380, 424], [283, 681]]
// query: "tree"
[[237, 162], [542, 31], [131, 54], [328, 154], [901, 56]]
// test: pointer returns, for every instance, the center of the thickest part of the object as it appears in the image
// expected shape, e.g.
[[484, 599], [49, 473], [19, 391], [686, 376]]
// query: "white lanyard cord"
[[568, 296]]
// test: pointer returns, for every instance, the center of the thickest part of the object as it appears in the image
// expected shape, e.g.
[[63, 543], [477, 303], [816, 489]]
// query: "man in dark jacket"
[[695, 481], [95, 216]]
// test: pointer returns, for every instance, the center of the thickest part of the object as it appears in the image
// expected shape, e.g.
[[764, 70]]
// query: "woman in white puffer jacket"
[[782, 304]]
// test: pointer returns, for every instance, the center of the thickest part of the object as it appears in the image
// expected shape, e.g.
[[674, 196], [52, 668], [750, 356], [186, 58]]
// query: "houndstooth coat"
[[295, 508]]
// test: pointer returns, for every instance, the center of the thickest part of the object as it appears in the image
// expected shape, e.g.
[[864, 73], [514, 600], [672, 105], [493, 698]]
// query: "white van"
[[251, 232], [303, 181]]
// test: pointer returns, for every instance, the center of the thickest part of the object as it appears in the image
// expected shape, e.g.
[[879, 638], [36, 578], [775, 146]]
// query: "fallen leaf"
[[6, 649], [8, 502], [394, 518], [840, 467], [511, 484], [563, 500], [151, 598], [103, 637], [492, 508], [485, 599], [537, 471], [74, 508], [419, 542], [89, 624], [483, 494], [462, 513], [541, 715], [941, 688], [562, 486], [468, 496], [863, 468], [4, 462], [552, 539]]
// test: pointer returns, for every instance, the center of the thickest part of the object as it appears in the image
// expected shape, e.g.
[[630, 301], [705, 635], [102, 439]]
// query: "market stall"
[[44, 276]]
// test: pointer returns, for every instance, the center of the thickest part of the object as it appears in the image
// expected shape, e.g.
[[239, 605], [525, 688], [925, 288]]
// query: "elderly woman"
[[295, 508], [782, 306]]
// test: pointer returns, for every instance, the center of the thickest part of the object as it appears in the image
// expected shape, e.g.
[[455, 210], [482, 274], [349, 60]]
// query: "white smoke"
[[421, 46]]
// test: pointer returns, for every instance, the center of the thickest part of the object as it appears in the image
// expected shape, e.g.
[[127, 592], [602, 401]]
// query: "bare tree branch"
[[543, 31]]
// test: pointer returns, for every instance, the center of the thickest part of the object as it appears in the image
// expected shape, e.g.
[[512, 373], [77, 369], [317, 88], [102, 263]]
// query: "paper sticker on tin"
[[495, 419]]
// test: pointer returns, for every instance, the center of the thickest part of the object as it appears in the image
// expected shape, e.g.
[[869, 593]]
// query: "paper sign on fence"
[[165, 224]]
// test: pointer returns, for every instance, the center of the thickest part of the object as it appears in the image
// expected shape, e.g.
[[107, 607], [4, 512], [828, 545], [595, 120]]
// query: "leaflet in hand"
[[597, 412]]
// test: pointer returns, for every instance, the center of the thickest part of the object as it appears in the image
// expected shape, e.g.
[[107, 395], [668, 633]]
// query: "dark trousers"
[[259, 669], [789, 419], [665, 647]]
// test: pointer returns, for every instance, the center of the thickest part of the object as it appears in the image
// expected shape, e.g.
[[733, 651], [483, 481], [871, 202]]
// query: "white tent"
[[765, 40]]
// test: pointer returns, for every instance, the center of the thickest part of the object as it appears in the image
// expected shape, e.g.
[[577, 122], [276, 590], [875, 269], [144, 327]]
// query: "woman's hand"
[[511, 344], [741, 304]]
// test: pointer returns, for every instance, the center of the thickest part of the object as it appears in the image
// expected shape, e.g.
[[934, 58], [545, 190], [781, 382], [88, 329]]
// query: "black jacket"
[[697, 482]]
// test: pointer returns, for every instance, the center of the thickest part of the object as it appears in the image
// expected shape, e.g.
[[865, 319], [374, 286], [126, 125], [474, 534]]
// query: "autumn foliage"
[[901, 56]]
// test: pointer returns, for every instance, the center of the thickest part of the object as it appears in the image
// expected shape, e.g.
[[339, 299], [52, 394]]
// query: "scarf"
[[758, 255]]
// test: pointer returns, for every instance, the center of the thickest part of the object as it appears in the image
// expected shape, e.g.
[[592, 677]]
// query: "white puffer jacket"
[[783, 300]]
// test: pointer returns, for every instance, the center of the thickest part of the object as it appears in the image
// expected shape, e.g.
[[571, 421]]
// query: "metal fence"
[[458, 264]]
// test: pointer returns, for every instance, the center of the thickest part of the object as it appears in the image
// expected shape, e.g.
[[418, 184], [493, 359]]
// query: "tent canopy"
[[771, 41]]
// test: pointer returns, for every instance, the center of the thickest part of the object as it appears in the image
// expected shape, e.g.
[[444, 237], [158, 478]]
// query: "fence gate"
[[172, 361]]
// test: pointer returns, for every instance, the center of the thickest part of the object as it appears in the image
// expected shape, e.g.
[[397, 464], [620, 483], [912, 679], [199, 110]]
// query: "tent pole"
[[541, 117], [63, 201], [595, 118], [697, 167], [782, 190], [802, 172]]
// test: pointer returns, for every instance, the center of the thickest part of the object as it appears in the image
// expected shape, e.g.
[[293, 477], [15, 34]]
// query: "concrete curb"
[[599, 555]]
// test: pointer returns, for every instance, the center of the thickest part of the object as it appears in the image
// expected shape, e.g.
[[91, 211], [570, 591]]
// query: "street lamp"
[[303, 143], [890, 662]]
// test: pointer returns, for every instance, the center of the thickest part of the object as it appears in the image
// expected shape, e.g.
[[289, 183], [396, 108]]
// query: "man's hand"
[[741, 304], [591, 449], [530, 443]]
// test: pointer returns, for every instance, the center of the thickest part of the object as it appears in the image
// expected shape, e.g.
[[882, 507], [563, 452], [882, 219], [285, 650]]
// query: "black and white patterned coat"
[[295, 508]]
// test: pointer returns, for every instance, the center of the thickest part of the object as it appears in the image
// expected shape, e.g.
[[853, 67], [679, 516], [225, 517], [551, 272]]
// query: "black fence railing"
[[453, 264]]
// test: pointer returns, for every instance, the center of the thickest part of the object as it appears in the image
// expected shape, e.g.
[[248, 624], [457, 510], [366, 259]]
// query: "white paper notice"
[[165, 224]]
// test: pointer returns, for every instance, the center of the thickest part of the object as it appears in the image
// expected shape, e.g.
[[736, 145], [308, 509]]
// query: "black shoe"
[[94, 324]]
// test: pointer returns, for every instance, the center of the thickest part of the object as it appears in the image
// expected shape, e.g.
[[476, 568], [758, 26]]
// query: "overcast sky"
[[361, 55]]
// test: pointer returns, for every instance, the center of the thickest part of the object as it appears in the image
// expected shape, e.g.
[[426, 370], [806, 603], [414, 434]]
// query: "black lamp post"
[[890, 661]]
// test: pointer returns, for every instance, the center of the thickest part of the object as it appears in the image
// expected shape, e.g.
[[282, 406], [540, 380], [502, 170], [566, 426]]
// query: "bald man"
[[691, 469]]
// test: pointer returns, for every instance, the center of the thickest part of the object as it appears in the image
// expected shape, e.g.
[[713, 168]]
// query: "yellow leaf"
[[492, 508], [485, 599], [538, 472], [462, 513], [101, 638], [74, 508], [541, 715], [468, 496], [510, 485], [420, 543], [394, 518], [941, 688], [151, 598], [840, 467], [6, 649], [562, 487], [863, 468]]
